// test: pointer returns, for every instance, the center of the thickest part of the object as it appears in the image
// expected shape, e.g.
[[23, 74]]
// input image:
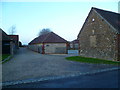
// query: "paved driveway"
[[27, 64]]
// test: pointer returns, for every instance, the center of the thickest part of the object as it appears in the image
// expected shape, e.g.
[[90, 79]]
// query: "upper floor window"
[[93, 20], [47, 45]]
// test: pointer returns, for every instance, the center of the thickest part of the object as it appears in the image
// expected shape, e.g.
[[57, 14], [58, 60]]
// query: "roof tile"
[[112, 17], [48, 38]]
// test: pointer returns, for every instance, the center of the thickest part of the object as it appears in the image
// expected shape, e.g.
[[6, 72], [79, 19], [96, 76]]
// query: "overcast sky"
[[63, 18]]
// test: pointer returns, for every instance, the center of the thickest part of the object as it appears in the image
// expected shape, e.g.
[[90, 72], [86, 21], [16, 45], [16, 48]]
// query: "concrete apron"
[[31, 80]]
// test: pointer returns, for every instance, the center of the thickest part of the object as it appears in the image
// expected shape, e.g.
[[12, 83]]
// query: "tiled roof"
[[111, 17], [75, 41], [48, 38], [14, 37], [3, 35]]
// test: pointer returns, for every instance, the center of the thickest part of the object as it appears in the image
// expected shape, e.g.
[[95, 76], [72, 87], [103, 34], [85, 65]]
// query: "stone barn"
[[49, 43], [100, 35]]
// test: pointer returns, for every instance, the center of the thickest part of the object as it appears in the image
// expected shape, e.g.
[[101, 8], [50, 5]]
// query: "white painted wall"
[[50, 48], [55, 48]]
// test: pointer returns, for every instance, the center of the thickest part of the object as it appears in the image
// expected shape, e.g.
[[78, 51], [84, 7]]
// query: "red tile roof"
[[48, 38], [75, 41]]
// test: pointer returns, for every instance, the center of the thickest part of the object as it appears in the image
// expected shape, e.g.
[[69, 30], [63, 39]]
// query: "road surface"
[[107, 79]]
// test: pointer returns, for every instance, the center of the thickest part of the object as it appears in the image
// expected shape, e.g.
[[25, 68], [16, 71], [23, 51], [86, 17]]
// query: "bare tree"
[[44, 31], [12, 30]]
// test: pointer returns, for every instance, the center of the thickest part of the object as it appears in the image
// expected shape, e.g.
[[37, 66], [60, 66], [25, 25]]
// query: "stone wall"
[[119, 47], [97, 38]]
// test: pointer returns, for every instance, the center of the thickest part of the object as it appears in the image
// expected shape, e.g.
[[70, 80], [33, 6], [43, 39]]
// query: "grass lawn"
[[91, 60], [5, 56]]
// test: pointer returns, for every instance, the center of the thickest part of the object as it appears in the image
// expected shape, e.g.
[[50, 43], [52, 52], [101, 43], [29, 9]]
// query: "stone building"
[[100, 35], [49, 43], [74, 44]]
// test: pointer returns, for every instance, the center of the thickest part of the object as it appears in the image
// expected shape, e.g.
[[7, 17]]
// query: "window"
[[47, 45], [93, 20], [93, 41], [93, 31]]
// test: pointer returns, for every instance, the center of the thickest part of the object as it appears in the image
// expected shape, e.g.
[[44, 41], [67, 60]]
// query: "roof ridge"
[[49, 38], [44, 34], [46, 37], [59, 36], [112, 18], [105, 10]]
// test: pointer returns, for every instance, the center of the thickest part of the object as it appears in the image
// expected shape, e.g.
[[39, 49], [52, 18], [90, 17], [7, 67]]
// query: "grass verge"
[[4, 56], [91, 60], [7, 59]]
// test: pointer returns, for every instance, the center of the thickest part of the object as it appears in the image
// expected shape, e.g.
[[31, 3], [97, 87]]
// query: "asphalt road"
[[107, 79]]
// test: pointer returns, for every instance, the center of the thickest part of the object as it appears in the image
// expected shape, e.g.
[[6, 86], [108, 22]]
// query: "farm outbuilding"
[[74, 44], [8, 43], [49, 43], [15, 38], [100, 35]]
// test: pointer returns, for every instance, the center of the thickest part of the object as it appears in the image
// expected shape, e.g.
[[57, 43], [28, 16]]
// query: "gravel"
[[27, 64]]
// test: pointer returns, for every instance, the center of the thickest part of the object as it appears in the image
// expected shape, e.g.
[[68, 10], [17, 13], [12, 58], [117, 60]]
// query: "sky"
[[63, 18]]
